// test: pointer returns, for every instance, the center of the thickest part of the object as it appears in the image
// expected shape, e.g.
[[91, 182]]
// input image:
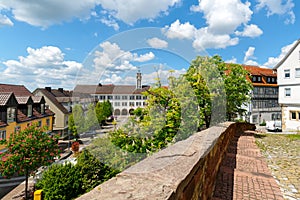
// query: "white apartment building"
[[124, 98], [288, 72]]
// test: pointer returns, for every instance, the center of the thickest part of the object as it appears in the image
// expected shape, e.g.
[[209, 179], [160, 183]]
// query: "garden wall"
[[186, 170]]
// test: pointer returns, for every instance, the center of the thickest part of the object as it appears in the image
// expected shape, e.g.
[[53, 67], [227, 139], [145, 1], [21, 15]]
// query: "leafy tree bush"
[[61, 182], [67, 181], [27, 151], [93, 171], [103, 111]]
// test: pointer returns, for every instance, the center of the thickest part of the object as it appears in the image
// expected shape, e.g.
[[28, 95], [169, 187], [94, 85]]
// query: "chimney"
[[61, 90], [48, 89], [139, 80]]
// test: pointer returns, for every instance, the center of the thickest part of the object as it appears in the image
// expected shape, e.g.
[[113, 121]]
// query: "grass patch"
[[294, 137]]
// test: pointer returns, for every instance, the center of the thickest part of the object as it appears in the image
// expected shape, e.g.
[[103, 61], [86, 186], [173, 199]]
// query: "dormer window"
[[256, 79], [11, 114]]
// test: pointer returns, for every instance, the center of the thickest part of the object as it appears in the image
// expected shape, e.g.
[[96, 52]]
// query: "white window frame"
[[287, 73], [287, 92], [297, 72]]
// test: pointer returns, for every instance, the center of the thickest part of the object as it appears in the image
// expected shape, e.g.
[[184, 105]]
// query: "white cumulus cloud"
[[112, 58], [273, 61], [279, 7], [157, 43], [45, 13], [179, 31], [41, 67], [251, 30], [133, 10], [249, 54], [5, 21]]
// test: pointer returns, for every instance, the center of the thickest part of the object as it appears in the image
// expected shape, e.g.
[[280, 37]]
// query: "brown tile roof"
[[23, 99], [4, 97], [259, 71], [109, 89], [18, 90], [36, 99], [53, 99]]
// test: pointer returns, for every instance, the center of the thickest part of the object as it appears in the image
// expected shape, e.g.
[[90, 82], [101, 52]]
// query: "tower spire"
[[139, 79]]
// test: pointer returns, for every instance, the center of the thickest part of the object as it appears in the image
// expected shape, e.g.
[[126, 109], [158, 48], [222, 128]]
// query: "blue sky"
[[61, 43]]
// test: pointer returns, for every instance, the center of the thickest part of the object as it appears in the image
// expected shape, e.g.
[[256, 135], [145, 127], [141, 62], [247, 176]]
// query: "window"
[[3, 135], [124, 97], [139, 97], [11, 114], [17, 129], [144, 97], [117, 103], [109, 97], [138, 103], [42, 108], [297, 72], [258, 79], [124, 103], [287, 92], [29, 113], [269, 80], [286, 73], [117, 97], [131, 97], [48, 122], [254, 78], [131, 103], [39, 123], [293, 115], [101, 97]]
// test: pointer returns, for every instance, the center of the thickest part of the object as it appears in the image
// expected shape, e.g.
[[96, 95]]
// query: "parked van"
[[274, 125]]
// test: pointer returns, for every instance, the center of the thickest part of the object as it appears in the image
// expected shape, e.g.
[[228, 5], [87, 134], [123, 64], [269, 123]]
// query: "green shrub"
[[68, 181], [62, 182], [93, 171]]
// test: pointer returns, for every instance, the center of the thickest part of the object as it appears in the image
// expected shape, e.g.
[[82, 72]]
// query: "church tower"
[[138, 80]]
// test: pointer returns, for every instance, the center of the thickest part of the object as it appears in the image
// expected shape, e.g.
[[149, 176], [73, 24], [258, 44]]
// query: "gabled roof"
[[4, 97], [287, 55], [109, 89], [18, 90], [24, 100], [53, 99]]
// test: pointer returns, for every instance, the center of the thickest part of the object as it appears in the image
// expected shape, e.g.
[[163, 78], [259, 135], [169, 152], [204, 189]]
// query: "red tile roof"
[[259, 71], [18, 90], [4, 97]]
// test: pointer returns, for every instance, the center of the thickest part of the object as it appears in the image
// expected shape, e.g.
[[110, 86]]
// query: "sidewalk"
[[244, 173]]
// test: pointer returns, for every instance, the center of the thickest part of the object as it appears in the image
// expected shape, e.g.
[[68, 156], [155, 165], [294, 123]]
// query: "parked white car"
[[274, 125]]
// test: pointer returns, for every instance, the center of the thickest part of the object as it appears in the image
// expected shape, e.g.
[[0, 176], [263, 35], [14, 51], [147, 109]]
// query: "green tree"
[[90, 118], [221, 89], [61, 182], [103, 111], [93, 171], [72, 125], [79, 119], [237, 90], [156, 129], [27, 150]]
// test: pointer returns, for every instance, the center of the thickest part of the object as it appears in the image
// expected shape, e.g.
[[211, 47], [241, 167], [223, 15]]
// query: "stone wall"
[[186, 170]]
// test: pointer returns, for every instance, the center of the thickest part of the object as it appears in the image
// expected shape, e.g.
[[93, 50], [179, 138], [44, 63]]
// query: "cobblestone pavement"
[[244, 173], [283, 156]]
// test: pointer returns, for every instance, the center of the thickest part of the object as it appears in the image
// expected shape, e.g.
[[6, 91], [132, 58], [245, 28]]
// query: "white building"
[[288, 71], [124, 98]]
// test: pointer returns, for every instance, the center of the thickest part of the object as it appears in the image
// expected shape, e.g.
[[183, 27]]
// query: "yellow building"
[[19, 109]]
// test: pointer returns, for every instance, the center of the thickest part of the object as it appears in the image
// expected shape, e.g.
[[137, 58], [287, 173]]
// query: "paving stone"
[[244, 173]]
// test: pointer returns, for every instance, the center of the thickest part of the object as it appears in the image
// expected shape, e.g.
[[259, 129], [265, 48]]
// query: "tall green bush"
[[62, 182]]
